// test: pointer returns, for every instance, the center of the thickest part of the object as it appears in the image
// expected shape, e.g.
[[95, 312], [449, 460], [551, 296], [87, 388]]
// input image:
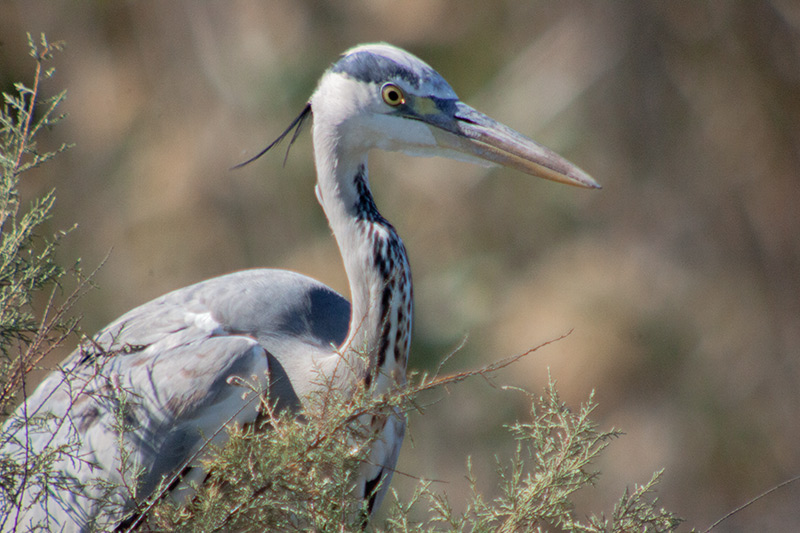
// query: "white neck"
[[375, 261]]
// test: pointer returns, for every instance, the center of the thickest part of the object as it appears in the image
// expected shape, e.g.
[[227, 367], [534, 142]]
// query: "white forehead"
[[379, 63]]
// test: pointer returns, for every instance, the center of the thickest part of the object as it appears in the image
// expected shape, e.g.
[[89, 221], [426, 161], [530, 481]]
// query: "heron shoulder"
[[255, 303]]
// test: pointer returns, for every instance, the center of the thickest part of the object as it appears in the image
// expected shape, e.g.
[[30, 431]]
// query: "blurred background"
[[680, 280]]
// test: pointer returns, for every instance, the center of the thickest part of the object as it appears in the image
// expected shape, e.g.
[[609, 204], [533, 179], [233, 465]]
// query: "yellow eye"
[[392, 95]]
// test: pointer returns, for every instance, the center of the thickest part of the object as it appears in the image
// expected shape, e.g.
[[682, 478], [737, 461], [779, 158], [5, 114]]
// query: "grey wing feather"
[[171, 373]]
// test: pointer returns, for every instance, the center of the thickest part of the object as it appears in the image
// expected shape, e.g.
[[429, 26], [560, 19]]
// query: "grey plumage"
[[174, 358]]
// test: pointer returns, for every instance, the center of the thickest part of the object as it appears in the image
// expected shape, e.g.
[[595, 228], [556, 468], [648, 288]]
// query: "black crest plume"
[[296, 125]]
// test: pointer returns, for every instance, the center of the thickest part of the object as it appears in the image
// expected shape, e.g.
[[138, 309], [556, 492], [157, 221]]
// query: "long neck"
[[377, 268]]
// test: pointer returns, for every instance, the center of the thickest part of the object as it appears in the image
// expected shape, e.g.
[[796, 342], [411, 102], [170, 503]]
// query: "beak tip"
[[582, 179]]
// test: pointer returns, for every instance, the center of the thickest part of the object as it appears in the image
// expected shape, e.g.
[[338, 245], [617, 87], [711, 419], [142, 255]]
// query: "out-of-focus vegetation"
[[681, 278]]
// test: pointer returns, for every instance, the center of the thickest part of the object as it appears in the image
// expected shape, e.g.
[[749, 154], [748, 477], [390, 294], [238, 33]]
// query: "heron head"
[[379, 96]]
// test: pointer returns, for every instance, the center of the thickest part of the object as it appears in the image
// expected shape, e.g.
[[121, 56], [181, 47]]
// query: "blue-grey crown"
[[380, 63]]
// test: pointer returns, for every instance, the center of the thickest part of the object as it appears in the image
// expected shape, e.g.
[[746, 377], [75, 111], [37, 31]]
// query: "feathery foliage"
[[553, 458], [27, 259]]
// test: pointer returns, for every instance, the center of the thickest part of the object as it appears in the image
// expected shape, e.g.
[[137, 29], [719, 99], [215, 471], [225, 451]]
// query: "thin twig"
[[752, 501]]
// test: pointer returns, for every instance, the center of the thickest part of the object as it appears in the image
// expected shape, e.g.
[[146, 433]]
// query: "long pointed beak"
[[470, 132]]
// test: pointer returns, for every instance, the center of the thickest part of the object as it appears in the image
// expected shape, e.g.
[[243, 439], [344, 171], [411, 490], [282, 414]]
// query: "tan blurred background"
[[680, 279]]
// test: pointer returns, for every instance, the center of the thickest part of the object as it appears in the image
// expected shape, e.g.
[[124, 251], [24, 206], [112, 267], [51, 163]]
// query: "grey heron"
[[180, 356]]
